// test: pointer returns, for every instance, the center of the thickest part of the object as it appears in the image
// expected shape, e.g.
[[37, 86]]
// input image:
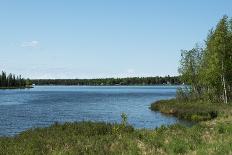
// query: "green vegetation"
[[212, 134], [208, 70], [213, 137], [11, 81], [193, 111], [111, 81]]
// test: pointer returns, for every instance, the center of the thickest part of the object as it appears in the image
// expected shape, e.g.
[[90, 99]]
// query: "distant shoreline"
[[26, 87], [110, 85], [158, 80]]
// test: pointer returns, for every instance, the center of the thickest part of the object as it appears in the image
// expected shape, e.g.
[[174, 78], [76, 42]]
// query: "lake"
[[43, 105]]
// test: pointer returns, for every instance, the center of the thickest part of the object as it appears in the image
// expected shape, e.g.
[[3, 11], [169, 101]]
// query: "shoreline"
[[5, 88], [115, 85], [192, 111], [111, 138]]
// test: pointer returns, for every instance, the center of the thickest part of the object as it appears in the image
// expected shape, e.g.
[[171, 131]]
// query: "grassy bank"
[[193, 111], [213, 137]]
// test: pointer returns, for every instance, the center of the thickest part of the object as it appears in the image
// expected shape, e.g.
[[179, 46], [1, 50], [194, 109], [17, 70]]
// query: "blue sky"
[[93, 39]]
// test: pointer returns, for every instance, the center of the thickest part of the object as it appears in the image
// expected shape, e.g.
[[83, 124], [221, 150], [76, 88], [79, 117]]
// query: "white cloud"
[[31, 44]]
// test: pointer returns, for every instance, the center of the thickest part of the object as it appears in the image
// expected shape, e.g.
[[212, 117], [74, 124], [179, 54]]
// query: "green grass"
[[193, 111], [102, 138], [208, 137]]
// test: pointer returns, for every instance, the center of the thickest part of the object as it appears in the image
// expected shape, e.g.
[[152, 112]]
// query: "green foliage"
[[111, 81], [185, 94], [208, 70], [124, 119], [12, 81], [189, 65]]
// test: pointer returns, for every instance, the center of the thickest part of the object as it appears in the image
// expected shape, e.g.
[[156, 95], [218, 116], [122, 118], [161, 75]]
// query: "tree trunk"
[[224, 84]]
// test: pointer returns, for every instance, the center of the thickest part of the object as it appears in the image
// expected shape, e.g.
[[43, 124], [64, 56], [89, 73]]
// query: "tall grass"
[[191, 110], [104, 138]]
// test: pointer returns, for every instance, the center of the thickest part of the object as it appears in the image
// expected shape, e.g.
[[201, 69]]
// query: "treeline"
[[208, 69], [111, 81], [12, 81]]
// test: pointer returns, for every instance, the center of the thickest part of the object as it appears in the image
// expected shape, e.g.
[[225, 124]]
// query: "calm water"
[[44, 105]]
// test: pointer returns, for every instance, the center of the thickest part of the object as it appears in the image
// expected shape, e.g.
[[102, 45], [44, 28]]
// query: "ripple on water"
[[44, 105]]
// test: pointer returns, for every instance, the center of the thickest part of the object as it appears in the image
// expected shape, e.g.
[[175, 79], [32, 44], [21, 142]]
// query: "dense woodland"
[[208, 69], [111, 81], [12, 81]]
